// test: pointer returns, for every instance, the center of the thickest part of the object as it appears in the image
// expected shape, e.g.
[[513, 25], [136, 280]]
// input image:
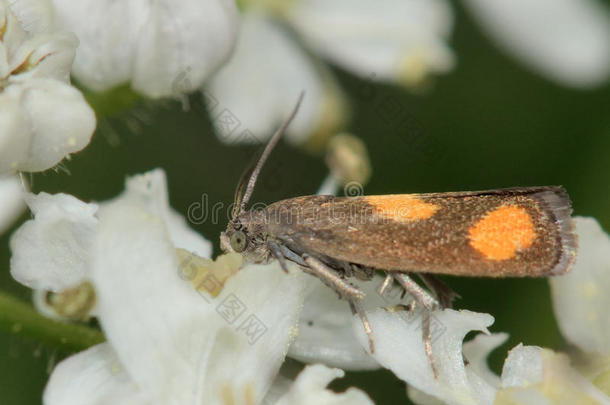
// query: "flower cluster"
[[161, 48], [43, 119], [35, 65]]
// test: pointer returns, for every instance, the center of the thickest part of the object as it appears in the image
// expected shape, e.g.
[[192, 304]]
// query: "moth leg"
[[386, 285], [290, 255], [344, 289], [444, 293], [275, 250], [421, 296], [429, 303], [427, 338], [330, 277], [356, 308]]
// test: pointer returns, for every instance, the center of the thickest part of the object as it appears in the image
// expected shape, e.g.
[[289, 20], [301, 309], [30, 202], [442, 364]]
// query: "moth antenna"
[[261, 161], [239, 191]]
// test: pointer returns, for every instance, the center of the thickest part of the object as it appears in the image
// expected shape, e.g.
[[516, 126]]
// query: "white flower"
[[392, 40], [395, 40], [327, 328], [168, 342], [52, 252], [269, 70], [150, 190], [162, 48], [42, 117], [580, 298], [309, 388], [581, 303], [11, 201], [35, 16], [567, 41], [533, 376], [174, 345], [399, 347]]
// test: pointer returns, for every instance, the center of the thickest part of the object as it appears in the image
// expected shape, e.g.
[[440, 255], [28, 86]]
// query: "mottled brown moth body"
[[515, 232], [499, 233]]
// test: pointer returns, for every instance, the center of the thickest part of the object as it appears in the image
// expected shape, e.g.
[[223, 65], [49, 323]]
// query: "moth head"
[[246, 235]]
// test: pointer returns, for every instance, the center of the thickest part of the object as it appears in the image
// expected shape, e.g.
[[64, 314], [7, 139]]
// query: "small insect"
[[514, 232]]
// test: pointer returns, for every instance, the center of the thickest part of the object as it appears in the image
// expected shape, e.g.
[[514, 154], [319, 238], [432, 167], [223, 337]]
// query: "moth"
[[513, 232]]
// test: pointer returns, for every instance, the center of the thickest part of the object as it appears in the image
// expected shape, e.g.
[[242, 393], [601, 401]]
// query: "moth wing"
[[497, 233]]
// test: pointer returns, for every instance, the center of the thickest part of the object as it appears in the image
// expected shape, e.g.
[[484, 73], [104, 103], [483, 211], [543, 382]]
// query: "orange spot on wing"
[[501, 233], [402, 208]]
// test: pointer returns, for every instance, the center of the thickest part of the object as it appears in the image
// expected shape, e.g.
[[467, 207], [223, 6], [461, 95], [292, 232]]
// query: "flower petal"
[[179, 46], [106, 31], [179, 345], [150, 190], [15, 134], [35, 16], [400, 348], [476, 352], [12, 204], [51, 251], [93, 376], [310, 388], [532, 376], [478, 349], [395, 40], [282, 71], [522, 367], [565, 40], [580, 298], [326, 334], [56, 132], [163, 48], [43, 118], [421, 398], [45, 56], [14, 33]]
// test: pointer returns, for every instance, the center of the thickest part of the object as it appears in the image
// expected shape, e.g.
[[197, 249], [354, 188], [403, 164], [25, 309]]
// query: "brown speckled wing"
[[497, 233]]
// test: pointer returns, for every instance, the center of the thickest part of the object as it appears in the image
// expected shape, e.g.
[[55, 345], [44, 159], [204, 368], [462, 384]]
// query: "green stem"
[[20, 318]]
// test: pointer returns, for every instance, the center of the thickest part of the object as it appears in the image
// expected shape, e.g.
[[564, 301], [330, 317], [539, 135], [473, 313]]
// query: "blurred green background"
[[488, 124]]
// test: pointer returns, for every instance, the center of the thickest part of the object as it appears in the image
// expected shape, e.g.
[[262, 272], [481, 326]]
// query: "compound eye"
[[238, 241]]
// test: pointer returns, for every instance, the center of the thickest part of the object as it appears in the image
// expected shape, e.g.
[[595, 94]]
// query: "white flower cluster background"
[[125, 125]]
